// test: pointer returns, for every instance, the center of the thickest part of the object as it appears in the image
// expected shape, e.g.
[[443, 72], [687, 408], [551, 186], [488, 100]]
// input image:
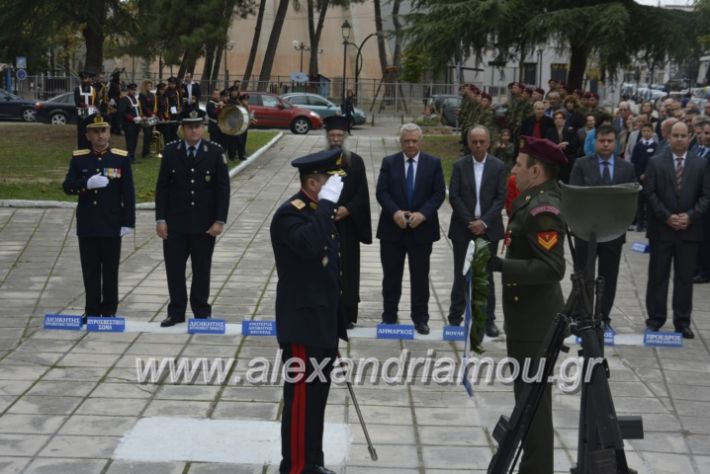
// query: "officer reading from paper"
[[101, 177], [308, 325], [533, 266]]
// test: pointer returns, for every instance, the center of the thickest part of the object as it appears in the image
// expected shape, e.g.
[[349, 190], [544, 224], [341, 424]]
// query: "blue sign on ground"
[[395, 331], [640, 247], [609, 337], [454, 333], [95, 324], [206, 326], [259, 328], [62, 321], [663, 339]]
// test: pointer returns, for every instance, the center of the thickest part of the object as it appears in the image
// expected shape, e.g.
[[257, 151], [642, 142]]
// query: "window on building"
[[530, 73], [558, 71]]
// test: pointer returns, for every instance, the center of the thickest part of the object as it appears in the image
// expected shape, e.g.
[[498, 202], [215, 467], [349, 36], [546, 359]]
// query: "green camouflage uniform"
[[531, 272]]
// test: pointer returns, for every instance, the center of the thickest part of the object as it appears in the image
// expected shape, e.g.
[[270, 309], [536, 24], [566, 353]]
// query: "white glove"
[[97, 181], [126, 231], [331, 189], [470, 251]]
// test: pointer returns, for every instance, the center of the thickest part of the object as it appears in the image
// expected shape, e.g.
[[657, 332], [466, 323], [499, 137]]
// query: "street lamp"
[[300, 46], [345, 30]]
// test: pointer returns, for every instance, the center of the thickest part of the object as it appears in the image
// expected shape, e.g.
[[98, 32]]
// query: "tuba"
[[233, 120], [157, 143]]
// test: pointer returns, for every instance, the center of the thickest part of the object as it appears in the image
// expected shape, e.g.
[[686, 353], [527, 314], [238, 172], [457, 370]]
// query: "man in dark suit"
[[538, 124], [702, 271], [190, 91], [352, 218], [129, 108], [191, 204], [603, 169], [410, 190], [678, 195], [476, 192]]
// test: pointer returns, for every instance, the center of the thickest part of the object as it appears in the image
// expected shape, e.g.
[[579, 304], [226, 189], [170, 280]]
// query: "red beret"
[[589, 95], [540, 90], [474, 88], [486, 95], [579, 92], [528, 90], [542, 149]]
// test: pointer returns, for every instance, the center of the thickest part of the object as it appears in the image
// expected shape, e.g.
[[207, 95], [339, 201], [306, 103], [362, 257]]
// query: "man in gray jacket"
[[477, 193]]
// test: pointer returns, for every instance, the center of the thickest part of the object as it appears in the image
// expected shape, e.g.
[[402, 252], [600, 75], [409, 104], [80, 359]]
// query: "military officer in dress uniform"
[[353, 217], [531, 271], [305, 243], [101, 177], [191, 204]]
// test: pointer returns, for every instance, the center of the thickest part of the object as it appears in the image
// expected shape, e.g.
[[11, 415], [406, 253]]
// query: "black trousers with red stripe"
[[304, 408]]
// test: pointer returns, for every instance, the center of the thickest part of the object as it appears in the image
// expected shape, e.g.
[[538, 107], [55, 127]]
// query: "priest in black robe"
[[352, 218]]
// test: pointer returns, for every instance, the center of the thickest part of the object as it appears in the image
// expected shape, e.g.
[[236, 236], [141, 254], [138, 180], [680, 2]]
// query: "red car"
[[271, 111]]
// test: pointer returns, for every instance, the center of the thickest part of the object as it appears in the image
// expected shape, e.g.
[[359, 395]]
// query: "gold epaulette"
[[83, 151], [298, 204], [119, 152]]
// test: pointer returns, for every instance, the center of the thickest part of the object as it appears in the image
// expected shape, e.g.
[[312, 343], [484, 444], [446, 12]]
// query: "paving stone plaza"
[[70, 401]]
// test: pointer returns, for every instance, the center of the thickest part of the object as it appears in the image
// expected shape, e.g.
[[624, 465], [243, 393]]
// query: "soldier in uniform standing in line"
[[531, 271], [352, 218], [305, 243], [191, 204], [149, 107], [101, 177], [114, 96], [85, 101], [101, 89]]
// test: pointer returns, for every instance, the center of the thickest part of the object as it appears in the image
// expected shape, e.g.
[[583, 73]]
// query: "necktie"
[[410, 183], [191, 156], [606, 175], [679, 172]]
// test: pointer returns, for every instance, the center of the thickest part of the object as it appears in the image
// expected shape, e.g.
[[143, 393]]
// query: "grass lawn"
[[34, 159], [446, 147]]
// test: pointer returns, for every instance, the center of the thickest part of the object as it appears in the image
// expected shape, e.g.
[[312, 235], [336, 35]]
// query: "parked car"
[[450, 110], [58, 110], [16, 108], [438, 101], [271, 111], [322, 106]]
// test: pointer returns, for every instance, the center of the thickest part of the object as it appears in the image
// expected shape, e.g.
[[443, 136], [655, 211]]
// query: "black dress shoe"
[[698, 279], [652, 328], [455, 321], [318, 470], [608, 328], [171, 321], [421, 328], [84, 319], [686, 332], [492, 329], [351, 325], [200, 317]]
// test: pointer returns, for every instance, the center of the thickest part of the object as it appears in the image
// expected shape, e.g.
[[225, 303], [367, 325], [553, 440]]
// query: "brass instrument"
[[157, 144], [233, 120]]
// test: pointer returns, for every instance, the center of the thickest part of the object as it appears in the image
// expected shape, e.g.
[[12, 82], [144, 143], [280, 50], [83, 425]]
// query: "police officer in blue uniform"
[[101, 177], [308, 325], [191, 205]]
